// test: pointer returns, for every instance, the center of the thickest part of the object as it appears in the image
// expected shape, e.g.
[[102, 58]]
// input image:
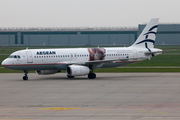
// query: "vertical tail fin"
[[147, 37]]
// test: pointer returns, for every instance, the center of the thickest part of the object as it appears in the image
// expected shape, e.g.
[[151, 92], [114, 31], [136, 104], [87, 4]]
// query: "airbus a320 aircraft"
[[82, 61]]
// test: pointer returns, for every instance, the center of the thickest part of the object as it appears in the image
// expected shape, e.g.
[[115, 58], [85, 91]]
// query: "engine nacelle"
[[77, 70], [47, 72]]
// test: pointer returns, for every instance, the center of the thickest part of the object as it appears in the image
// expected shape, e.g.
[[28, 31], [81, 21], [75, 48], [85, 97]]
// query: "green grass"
[[4, 70], [9, 50], [160, 60], [2, 57], [170, 49], [117, 70]]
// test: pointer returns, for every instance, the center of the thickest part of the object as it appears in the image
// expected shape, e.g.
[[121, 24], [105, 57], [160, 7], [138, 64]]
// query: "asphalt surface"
[[111, 96]]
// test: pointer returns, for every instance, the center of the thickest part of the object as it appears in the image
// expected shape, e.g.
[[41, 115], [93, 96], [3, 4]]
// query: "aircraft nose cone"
[[4, 62]]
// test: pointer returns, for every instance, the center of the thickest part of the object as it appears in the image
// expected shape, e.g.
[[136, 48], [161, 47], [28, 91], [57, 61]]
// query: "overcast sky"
[[86, 13]]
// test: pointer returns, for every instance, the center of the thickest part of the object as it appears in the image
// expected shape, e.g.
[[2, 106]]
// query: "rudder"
[[148, 35]]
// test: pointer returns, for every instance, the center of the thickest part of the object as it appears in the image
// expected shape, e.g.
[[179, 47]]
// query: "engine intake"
[[77, 70]]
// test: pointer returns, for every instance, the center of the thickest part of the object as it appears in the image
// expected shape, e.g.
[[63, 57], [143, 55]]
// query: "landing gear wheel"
[[70, 76], [25, 78], [91, 75]]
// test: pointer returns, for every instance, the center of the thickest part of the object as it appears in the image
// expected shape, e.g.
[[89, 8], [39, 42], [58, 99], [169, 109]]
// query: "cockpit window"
[[11, 56], [14, 56]]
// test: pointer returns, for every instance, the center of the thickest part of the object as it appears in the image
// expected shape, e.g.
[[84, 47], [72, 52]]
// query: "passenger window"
[[15, 56], [19, 56]]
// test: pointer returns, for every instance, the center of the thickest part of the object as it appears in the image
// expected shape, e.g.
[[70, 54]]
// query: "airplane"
[[82, 61]]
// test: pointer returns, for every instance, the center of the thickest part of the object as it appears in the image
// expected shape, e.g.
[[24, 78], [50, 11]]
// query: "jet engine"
[[77, 70], [47, 72]]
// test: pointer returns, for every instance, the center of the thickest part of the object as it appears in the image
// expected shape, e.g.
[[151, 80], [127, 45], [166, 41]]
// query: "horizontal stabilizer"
[[158, 51]]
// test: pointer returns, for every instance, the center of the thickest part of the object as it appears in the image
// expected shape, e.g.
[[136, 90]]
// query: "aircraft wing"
[[93, 63]]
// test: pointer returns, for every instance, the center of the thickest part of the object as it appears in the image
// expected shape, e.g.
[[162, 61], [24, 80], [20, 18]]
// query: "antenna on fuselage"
[[27, 48]]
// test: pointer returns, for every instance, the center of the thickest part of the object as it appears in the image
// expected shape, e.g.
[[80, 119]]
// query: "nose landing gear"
[[25, 77]]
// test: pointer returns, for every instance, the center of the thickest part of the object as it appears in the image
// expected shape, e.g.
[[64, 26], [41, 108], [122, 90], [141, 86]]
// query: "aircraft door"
[[29, 57]]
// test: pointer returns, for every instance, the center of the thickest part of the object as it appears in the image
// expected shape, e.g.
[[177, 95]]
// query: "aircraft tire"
[[25, 78], [91, 75]]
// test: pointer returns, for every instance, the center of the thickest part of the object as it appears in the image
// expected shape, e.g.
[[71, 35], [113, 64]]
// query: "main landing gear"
[[25, 77], [91, 75]]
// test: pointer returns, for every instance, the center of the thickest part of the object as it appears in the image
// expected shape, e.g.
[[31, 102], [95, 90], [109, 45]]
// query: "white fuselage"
[[57, 59]]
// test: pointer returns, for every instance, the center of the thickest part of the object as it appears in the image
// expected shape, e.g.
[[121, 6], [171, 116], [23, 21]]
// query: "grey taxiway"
[[128, 96]]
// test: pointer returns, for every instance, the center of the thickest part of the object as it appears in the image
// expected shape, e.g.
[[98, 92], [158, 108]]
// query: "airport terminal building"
[[168, 34]]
